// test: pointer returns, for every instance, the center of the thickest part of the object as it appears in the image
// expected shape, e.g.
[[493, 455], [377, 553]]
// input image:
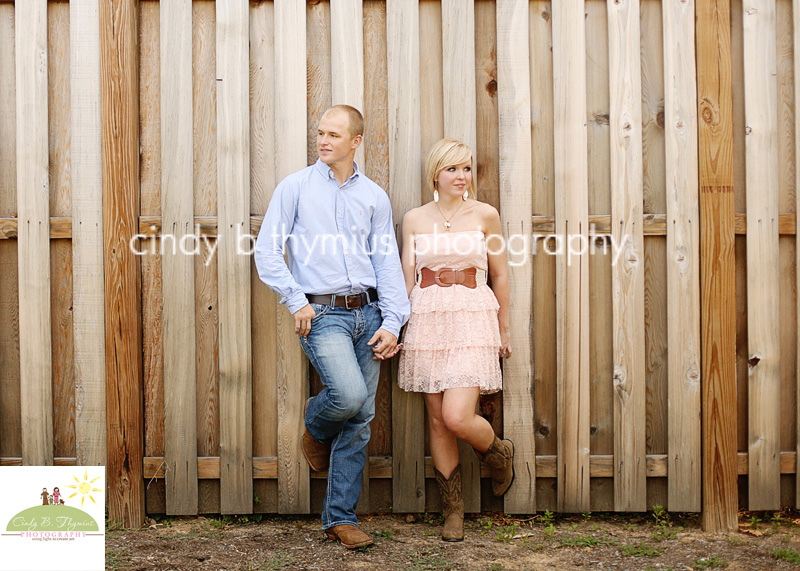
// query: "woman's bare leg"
[[444, 447], [458, 413]]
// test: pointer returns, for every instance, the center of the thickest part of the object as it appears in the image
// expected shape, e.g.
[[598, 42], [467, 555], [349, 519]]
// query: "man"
[[344, 286]]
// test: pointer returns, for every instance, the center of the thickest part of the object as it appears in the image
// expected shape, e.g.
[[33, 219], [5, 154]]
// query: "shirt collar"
[[327, 172]]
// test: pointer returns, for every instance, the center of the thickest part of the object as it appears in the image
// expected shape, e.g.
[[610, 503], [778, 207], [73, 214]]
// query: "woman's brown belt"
[[447, 277]]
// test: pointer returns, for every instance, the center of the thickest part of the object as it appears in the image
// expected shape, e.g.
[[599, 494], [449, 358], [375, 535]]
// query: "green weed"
[[279, 560], [790, 555], [641, 550], [506, 533], [430, 560], [385, 534], [709, 562], [116, 558]]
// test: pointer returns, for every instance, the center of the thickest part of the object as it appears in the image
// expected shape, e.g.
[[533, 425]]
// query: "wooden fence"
[[596, 119]]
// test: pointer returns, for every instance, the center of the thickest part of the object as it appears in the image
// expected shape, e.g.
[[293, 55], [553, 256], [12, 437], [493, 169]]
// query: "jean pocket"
[[320, 310]]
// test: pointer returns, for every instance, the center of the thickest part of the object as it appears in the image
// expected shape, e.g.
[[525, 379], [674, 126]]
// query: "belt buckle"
[[347, 300], [437, 277]]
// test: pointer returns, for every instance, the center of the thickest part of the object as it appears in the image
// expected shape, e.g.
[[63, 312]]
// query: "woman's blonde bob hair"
[[448, 153]]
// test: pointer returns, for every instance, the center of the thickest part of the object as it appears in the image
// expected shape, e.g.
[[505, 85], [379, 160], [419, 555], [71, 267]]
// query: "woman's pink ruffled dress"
[[453, 336]]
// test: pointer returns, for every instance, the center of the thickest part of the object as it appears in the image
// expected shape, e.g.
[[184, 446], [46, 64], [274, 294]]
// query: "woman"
[[459, 327]]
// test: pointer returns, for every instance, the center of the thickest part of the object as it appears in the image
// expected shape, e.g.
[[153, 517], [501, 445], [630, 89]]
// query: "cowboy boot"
[[500, 458], [452, 504]]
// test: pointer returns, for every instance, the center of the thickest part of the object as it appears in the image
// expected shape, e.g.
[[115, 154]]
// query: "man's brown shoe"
[[349, 536], [318, 454]]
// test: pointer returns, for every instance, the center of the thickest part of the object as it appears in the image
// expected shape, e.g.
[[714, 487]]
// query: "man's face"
[[335, 143]]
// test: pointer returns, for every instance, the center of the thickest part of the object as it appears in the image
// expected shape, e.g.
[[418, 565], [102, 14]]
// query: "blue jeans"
[[341, 412]]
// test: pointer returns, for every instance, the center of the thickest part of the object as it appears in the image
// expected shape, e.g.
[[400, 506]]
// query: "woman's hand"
[[505, 343]]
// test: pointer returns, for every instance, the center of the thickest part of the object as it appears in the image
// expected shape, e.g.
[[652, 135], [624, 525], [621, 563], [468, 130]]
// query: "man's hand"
[[302, 320], [385, 345]]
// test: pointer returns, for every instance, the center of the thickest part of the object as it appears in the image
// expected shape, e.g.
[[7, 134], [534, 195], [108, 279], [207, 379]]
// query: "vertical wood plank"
[[718, 350], [786, 203], [740, 207], [318, 28], [655, 277], [762, 254], [601, 299], [487, 170], [120, 150], [514, 106], [58, 108], [458, 71], [265, 304], [180, 452], [544, 268], [206, 310], [150, 205], [33, 241], [294, 494], [431, 102], [405, 179], [458, 88], [572, 284], [625, 119], [347, 58], [87, 234], [10, 425], [796, 43], [233, 176]]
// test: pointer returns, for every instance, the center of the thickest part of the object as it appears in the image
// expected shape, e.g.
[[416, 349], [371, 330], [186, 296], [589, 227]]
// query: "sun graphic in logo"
[[85, 488]]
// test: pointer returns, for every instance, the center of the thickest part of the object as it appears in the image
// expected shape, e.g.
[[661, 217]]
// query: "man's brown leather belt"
[[352, 301], [446, 277]]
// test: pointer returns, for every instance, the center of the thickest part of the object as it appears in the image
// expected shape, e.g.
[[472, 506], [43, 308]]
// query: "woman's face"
[[454, 180]]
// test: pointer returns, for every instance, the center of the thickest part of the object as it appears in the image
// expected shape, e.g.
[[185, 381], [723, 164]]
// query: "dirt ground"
[[649, 541]]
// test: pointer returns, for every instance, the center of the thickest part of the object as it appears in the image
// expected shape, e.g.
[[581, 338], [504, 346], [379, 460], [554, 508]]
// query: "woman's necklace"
[[446, 219]]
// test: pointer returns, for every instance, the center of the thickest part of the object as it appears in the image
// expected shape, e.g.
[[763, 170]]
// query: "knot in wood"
[[708, 112]]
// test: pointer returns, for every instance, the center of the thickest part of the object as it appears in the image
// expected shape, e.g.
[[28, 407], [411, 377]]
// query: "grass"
[[663, 530], [430, 560], [505, 533], [384, 534], [641, 550], [709, 563], [279, 560], [116, 558], [790, 555], [583, 541]]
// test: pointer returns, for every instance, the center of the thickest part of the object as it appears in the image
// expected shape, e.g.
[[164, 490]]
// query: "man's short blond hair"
[[355, 119], [448, 153]]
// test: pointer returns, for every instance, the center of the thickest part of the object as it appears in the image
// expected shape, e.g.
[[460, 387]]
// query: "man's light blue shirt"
[[339, 240]]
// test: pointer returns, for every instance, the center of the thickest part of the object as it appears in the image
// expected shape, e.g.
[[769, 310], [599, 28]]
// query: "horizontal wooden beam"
[[150, 226], [600, 466], [266, 468], [60, 226]]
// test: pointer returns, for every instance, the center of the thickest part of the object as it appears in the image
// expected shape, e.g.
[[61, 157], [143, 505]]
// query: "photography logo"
[[54, 517]]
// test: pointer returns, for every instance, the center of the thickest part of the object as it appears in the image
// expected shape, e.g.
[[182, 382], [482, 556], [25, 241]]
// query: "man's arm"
[[275, 230], [393, 298]]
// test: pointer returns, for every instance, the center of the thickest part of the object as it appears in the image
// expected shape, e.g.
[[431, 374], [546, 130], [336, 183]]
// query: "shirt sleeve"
[[275, 231], [392, 295]]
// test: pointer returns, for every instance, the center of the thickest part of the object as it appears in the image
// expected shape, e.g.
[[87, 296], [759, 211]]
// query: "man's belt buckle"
[[354, 297]]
